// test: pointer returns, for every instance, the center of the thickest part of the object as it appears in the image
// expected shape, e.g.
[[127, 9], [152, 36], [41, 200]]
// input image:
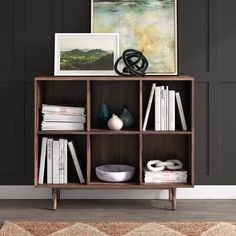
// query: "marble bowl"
[[115, 173]]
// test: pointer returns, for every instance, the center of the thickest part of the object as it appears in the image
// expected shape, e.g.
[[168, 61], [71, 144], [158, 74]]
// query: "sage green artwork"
[[146, 25]]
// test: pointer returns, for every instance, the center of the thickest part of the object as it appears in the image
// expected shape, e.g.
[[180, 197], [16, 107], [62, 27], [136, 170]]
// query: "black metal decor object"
[[135, 63]]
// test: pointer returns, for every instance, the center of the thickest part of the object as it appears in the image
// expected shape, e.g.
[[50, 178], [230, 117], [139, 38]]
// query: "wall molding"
[[199, 192]]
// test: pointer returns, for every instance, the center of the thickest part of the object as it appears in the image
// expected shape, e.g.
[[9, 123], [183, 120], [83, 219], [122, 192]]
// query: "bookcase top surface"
[[114, 78]]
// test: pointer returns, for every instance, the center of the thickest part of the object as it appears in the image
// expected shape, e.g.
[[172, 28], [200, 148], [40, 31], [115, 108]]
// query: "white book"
[[64, 118], [42, 160], [61, 161], [181, 111], [167, 107], [62, 109], [65, 181], [171, 115], [76, 163], [149, 106], [55, 162], [162, 108], [158, 109], [62, 126], [165, 181], [49, 161]]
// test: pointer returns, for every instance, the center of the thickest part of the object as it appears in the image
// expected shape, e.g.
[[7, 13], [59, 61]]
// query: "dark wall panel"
[[206, 38], [12, 128], [227, 128], [227, 35], [193, 36], [39, 36], [6, 34], [75, 18], [29, 132], [202, 129]]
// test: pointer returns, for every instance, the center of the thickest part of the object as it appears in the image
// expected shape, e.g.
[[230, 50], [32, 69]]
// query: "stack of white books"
[[55, 154], [165, 176], [164, 109], [63, 117]]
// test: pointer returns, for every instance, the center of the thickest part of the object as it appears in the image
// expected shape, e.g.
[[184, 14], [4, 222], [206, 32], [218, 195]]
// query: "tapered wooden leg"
[[54, 198], [170, 194], [173, 193], [58, 194]]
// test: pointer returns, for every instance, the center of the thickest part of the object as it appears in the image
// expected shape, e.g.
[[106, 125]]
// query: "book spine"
[[158, 109], [167, 107], [149, 107], [55, 172], [42, 160], [165, 181], [65, 162], [181, 112], [49, 161], [76, 162], [162, 108], [171, 116], [61, 160]]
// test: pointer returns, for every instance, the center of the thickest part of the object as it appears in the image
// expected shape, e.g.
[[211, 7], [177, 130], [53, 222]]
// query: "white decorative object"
[[115, 173], [115, 123], [177, 165], [157, 165]]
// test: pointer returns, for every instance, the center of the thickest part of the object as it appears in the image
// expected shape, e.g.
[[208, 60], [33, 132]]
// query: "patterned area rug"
[[56, 228]]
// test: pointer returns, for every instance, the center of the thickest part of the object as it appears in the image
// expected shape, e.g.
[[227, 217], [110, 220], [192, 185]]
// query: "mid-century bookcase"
[[96, 146]]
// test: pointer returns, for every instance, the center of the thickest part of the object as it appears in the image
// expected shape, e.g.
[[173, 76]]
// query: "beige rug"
[[57, 228]]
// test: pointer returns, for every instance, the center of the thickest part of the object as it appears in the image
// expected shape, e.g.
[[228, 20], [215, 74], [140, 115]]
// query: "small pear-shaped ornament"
[[127, 118], [103, 116], [115, 123]]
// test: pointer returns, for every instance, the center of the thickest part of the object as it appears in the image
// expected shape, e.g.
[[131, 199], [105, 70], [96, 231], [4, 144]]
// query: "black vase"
[[127, 118], [103, 116]]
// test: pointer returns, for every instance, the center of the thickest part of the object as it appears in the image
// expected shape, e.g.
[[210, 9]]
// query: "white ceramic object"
[[115, 173], [115, 123]]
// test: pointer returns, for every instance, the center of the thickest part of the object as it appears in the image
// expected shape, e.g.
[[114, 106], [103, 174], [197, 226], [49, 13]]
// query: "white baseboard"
[[199, 192]]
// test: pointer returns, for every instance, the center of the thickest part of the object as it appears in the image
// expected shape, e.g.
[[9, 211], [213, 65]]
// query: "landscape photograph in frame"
[[86, 54], [148, 25]]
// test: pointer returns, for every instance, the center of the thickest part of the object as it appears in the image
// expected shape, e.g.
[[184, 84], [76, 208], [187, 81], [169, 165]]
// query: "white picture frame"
[[101, 50]]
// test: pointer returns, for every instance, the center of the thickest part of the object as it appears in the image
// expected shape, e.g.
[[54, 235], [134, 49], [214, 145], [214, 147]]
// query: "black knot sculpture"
[[135, 63]]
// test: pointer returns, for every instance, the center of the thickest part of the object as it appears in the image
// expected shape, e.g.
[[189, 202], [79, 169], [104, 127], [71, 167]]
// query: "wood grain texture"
[[114, 78], [54, 198], [173, 198], [98, 146], [119, 210]]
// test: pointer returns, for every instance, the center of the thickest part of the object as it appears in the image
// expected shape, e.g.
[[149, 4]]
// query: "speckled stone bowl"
[[115, 173]]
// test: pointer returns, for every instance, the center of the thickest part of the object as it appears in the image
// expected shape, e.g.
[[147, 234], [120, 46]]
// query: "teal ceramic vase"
[[103, 116], [127, 118]]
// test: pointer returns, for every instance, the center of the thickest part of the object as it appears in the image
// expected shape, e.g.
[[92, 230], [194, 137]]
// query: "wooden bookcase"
[[97, 146]]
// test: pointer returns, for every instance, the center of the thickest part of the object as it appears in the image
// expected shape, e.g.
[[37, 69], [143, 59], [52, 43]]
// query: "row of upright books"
[[165, 176], [54, 156], [164, 109], [63, 117]]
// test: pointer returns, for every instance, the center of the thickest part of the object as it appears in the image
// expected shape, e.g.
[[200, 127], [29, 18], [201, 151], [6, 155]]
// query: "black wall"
[[207, 38]]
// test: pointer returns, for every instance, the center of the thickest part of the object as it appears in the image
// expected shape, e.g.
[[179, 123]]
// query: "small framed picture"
[[85, 54]]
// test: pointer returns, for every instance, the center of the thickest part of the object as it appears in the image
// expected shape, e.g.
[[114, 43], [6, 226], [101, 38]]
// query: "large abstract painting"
[[146, 25]]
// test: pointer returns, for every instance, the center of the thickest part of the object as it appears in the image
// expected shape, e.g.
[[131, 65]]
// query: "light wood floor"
[[119, 210]]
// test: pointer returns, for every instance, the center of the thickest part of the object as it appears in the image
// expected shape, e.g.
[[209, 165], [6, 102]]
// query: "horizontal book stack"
[[63, 117], [165, 176], [164, 109], [54, 153]]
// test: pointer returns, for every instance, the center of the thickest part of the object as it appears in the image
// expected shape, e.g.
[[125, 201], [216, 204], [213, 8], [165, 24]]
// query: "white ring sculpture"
[[157, 165]]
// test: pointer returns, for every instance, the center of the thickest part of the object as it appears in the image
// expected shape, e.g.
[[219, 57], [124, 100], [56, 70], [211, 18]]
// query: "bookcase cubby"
[[97, 146]]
